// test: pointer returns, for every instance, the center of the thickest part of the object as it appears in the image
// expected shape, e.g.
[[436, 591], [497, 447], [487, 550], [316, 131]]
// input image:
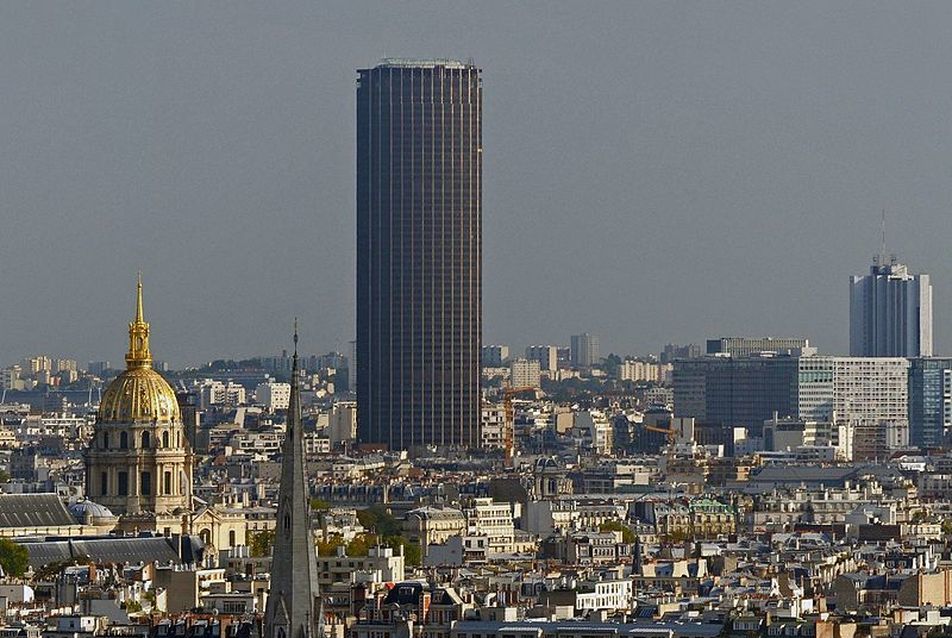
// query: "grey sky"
[[654, 172]]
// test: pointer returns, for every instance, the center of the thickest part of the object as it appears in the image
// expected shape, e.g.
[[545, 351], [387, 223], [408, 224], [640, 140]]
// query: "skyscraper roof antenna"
[[882, 249], [295, 337]]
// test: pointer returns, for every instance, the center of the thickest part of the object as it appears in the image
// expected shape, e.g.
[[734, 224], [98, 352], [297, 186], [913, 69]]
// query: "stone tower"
[[294, 608]]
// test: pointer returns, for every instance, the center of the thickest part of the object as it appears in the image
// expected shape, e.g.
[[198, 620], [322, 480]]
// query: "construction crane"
[[670, 433], [509, 425]]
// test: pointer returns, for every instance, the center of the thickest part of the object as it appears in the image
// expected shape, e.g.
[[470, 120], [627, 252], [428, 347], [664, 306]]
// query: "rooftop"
[[33, 510], [424, 63]]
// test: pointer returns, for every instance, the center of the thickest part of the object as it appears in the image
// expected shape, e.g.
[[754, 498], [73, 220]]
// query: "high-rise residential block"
[[273, 395], [869, 395], [547, 356], [495, 356], [524, 373], [890, 311], [674, 351], [419, 248], [584, 350], [650, 371]]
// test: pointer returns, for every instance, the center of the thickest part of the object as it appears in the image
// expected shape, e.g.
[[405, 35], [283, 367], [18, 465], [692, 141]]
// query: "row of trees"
[[383, 529]]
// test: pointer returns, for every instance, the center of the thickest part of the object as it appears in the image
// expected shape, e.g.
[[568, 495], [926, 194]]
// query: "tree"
[[412, 552], [14, 559], [319, 504], [260, 542], [361, 544], [627, 535], [377, 519], [611, 364], [329, 547]]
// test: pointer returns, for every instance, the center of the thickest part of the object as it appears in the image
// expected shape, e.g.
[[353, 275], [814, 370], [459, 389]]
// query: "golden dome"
[[140, 393]]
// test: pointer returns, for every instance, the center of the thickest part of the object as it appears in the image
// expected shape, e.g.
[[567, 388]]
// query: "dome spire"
[[139, 316], [139, 355]]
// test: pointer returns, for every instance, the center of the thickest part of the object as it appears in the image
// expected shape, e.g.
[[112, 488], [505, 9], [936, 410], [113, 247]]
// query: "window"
[[103, 483], [123, 483], [165, 439], [231, 538], [123, 440], [146, 440], [145, 480], [168, 483], [105, 439]]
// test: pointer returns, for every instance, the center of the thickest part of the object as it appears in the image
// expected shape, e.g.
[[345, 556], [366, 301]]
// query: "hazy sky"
[[654, 171]]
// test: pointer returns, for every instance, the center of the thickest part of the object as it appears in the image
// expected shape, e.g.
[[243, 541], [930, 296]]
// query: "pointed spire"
[[293, 600], [294, 402], [139, 355], [295, 342], [140, 316]]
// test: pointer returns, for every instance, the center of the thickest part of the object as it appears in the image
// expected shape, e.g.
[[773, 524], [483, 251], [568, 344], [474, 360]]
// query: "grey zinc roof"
[[571, 628], [807, 474], [33, 510], [130, 550]]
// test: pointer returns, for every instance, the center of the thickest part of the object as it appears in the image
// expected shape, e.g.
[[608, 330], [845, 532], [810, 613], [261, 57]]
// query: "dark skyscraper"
[[419, 252]]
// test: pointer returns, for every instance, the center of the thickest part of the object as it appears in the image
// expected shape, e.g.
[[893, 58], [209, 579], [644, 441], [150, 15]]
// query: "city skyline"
[[177, 142]]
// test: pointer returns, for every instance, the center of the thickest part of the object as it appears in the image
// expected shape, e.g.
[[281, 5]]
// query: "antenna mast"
[[882, 250]]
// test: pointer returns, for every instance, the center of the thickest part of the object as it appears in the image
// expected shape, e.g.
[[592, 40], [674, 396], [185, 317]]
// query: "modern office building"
[[930, 401], [870, 395], [735, 391], [747, 346], [584, 350], [419, 250], [890, 311]]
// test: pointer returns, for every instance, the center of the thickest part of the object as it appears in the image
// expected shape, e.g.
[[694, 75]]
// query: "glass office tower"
[[930, 401], [419, 253]]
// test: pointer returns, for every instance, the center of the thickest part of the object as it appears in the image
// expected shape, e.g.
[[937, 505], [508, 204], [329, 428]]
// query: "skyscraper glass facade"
[[419, 253], [930, 401]]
